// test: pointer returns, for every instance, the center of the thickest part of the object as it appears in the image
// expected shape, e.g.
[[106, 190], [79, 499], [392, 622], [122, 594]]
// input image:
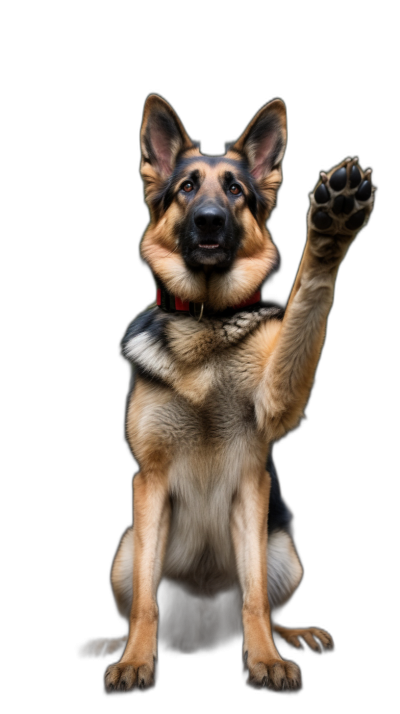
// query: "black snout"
[[210, 236], [210, 219]]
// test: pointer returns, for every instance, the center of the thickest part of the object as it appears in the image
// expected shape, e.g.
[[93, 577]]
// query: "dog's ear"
[[263, 141], [162, 137]]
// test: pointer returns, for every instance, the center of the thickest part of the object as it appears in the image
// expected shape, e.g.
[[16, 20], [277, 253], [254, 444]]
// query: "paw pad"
[[356, 220], [343, 204], [338, 179], [322, 194], [343, 200], [322, 220], [364, 191], [355, 177]]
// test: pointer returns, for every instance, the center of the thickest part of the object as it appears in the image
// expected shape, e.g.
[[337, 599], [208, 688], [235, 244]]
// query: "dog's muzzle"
[[209, 241]]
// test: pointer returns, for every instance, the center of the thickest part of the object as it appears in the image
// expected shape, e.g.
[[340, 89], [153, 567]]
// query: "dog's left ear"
[[264, 140], [162, 136]]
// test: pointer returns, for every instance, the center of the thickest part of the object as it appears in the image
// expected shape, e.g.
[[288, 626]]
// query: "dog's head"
[[207, 240]]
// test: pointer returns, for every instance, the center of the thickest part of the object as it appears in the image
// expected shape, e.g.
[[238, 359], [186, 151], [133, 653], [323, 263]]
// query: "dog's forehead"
[[209, 167]]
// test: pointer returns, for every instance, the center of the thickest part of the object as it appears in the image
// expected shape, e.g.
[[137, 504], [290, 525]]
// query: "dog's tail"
[[103, 646]]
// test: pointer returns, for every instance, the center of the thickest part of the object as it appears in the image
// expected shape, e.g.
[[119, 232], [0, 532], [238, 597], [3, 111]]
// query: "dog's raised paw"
[[276, 674], [123, 676], [342, 200]]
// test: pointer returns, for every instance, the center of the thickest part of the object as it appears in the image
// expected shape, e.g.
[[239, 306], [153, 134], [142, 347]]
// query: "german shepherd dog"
[[219, 376]]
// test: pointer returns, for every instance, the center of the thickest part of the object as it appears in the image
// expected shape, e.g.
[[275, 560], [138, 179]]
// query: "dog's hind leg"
[[284, 575], [284, 570], [122, 586], [309, 635], [122, 573]]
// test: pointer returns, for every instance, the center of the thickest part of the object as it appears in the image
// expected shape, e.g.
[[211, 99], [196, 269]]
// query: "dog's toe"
[[276, 674]]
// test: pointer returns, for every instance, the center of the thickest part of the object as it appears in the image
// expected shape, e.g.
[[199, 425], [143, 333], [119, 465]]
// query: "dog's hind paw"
[[342, 200], [310, 635], [277, 674]]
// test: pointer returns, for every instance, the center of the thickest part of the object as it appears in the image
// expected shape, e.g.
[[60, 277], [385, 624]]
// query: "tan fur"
[[310, 635], [151, 517], [249, 535], [226, 389], [219, 291], [256, 257]]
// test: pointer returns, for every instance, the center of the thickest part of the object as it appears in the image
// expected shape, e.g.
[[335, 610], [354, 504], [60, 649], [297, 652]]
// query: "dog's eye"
[[235, 189], [188, 186]]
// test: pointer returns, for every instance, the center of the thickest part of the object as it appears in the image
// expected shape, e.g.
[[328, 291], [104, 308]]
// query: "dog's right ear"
[[263, 141], [162, 138]]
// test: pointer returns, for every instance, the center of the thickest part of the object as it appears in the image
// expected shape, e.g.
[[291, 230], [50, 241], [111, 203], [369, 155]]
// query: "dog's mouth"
[[209, 253], [214, 251]]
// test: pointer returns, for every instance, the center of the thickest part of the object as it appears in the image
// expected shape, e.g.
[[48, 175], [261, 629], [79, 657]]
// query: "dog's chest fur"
[[192, 407]]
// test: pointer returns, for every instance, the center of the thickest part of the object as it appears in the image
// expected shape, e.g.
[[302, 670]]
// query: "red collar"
[[172, 303]]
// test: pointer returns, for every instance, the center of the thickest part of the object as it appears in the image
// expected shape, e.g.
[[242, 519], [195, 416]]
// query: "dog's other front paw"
[[277, 674], [342, 200], [126, 675]]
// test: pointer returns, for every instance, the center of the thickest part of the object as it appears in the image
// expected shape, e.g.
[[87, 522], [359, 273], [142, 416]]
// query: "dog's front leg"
[[151, 519], [340, 206], [249, 520]]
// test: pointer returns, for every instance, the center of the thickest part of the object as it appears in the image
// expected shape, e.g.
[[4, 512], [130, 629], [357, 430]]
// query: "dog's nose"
[[210, 219]]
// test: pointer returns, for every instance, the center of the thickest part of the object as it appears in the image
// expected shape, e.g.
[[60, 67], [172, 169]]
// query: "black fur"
[[279, 516]]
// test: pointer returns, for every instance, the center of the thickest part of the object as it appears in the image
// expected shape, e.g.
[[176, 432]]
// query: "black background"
[[331, 470]]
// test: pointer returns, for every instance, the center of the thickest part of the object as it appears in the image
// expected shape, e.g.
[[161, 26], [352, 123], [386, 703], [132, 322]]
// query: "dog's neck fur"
[[162, 344]]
